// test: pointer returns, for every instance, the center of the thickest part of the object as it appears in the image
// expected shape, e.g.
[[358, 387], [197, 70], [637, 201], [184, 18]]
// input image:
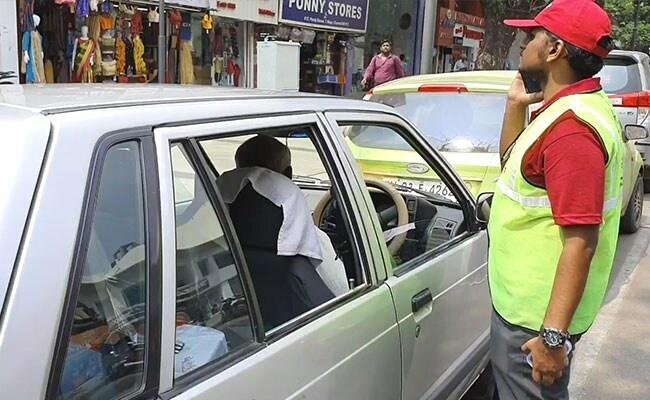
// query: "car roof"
[[76, 97], [638, 55], [474, 81]]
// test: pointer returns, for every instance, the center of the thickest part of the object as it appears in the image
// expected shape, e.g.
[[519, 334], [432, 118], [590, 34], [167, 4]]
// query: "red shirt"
[[568, 161]]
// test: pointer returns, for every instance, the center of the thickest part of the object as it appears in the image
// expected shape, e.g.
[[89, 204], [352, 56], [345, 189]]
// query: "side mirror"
[[635, 132], [483, 205]]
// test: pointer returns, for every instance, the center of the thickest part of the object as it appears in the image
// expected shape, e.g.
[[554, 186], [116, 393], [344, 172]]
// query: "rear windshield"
[[620, 75], [451, 122]]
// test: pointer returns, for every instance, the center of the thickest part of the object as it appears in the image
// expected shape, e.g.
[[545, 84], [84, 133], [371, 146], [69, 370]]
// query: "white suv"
[[626, 78]]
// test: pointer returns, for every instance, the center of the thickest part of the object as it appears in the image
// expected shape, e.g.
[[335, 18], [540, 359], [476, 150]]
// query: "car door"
[[440, 293], [346, 348]]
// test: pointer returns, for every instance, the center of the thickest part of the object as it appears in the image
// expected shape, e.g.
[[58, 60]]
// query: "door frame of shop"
[[162, 43]]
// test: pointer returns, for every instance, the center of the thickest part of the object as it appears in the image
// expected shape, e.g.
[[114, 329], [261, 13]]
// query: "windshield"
[[620, 75], [451, 122]]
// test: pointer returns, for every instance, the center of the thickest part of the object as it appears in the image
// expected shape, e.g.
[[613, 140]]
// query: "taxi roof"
[[473, 81]]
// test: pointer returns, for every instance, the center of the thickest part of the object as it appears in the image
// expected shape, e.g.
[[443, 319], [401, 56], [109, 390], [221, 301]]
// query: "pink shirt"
[[383, 69]]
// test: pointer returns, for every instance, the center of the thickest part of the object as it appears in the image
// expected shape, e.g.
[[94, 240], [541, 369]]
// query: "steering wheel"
[[400, 205]]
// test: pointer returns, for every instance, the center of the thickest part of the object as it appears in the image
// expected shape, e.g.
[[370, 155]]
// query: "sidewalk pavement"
[[613, 358]]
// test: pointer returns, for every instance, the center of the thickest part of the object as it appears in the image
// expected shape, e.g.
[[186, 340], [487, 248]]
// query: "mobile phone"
[[531, 84]]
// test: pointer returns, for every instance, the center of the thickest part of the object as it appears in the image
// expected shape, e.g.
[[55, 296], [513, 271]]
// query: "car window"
[[620, 75], [454, 123], [431, 217], [290, 224], [106, 350], [212, 312]]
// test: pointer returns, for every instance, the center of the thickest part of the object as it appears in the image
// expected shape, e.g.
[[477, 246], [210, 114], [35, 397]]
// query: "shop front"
[[207, 41], [459, 37], [332, 42]]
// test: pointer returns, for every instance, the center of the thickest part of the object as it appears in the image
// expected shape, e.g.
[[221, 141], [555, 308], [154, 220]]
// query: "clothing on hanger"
[[107, 7], [136, 23], [26, 15], [83, 9], [106, 22], [175, 19], [138, 54], [186, 27], [120, 56], [153, 16], [206, 22], [130, 58], [185, 67]]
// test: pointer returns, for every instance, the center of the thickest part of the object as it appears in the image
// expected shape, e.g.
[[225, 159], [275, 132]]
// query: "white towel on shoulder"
[[298, 233]]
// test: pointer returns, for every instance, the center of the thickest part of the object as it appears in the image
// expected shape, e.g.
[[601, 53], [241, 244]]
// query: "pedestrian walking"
[[383, 67], [555, 213]]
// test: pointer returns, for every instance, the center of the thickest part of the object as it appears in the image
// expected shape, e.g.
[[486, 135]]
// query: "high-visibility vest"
[[525, 242]]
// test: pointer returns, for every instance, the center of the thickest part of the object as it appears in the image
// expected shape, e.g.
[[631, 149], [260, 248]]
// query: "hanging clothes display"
[[83, 61], [117, 41], [136, 23], [28, 66], [49, 71], [153, 16], [94, 32], [138, 53], [120, 56], [83, 8], [185, 67], [106, 21], [25, 15], [107, 7], [130, 57], [37, 51]]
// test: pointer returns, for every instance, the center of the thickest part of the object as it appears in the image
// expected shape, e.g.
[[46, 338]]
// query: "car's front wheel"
[[631, 220]]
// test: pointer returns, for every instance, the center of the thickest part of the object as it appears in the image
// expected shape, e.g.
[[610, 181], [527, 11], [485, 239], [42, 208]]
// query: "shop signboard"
[[455, 24], [341, 15], [261, 11]]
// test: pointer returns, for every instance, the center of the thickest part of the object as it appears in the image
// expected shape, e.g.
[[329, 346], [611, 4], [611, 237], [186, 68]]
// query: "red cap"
[[582, 23]]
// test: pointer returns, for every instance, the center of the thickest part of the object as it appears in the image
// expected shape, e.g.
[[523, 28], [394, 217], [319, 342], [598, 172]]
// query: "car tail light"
[[640, 100], [442, 88]]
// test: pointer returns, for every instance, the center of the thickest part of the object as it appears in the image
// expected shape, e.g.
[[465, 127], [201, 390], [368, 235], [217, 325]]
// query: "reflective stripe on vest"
[[525, 242]]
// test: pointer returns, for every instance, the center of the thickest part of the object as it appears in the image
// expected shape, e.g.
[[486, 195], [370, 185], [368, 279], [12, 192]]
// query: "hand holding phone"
[[525, 91], [531, 84]]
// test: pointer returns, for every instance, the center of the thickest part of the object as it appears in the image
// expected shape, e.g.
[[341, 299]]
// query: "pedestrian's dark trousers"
[[513, 375]]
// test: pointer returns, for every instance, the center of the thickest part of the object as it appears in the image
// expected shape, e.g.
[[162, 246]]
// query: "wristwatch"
[[552, 337]]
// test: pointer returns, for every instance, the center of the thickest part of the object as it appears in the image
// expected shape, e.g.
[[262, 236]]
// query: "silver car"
[[626, 79], [125, 274]]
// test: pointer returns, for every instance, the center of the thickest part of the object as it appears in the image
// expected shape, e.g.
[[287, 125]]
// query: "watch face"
[[553, 338]]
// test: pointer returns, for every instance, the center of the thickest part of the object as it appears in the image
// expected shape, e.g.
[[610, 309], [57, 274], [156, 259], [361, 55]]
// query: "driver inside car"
[[265, 163]]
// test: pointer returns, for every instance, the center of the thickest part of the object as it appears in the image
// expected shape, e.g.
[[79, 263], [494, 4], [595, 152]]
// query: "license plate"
[[433, 187]]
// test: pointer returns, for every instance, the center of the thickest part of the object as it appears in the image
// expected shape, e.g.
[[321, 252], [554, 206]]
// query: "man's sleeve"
[[399, 67], [574, 173]]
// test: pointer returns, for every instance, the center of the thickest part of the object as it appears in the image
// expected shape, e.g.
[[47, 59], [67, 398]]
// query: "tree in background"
[[498, 37], [622, 13]]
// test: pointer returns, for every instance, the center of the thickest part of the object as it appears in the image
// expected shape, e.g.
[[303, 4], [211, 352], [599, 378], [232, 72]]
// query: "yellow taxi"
[[460, 114]]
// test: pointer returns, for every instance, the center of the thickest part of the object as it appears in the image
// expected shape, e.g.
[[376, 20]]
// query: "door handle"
[[420, 300]]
